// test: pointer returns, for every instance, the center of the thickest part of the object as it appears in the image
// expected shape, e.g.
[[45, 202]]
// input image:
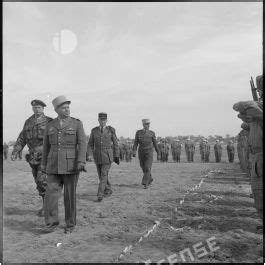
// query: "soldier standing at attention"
[[202, 149], [160, 147], [207, 151], [189, 149], [103, 143], [218, 151], [230, 151], [32, 136], [64, 156], [5, 149], [146, 140], [178, 150], [128, 151], [174, 150]]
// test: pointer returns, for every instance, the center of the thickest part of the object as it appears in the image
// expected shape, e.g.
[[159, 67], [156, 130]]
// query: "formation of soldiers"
[[126, 152], [250, 141]]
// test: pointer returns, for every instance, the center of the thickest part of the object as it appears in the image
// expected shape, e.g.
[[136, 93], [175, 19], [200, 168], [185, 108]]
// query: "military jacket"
[[103, 145], [146, 141], [32, 134], [218, 147], [230, 148], [64, 146]]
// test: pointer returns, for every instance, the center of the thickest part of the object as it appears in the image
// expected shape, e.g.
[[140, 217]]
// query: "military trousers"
[[55, 183], [257, 181], [202, 157], [207, 155], [104, 186], [40, 179], [230, 156], [178, 156], [217, 157], [146, 160], [189, 156]]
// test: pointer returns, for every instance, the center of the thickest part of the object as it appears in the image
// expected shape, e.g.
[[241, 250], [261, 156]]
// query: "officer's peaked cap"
[[36, 102]]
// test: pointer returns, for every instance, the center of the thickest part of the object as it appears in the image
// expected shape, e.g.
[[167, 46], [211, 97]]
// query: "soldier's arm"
[[46, 148], [81, 141], [155, 143], [135, 144], [21, 141], [116, 150]]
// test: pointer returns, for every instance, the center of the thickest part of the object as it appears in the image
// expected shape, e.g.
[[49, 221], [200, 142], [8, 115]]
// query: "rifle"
[[253, 90]]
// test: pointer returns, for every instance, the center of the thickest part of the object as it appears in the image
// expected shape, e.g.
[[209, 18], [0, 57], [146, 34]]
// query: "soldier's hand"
[[81, 166], [13, 157], [43, 168], [117, 160]]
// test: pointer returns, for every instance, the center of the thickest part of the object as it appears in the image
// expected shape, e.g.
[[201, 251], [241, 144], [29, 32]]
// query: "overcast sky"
[[182, 65]]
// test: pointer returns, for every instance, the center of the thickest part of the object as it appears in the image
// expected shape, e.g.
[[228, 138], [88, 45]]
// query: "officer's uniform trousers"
[[146, 160]]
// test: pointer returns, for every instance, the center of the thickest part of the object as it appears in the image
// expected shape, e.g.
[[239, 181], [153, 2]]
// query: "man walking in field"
[[146, 140], [64, 156], [32, 136], [103, 144]]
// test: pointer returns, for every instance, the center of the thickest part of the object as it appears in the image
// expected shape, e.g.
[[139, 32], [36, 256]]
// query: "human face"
[[146, 125], [38, 110], [63, 110], [102, 122]]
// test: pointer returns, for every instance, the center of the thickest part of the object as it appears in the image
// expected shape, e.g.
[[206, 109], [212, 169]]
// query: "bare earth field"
[[220, 208]]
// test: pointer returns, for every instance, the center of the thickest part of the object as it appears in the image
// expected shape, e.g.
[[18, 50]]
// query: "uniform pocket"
[[71, 160], [70, 136]]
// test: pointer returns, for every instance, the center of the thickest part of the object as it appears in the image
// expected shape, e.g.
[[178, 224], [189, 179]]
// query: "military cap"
[[59, 101], [102, 115], [38, 102], [145, 120]]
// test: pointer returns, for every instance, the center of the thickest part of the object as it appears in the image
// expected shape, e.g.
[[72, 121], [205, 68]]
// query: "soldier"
[[252, 113], [5, 149], [160, 147], [218, 151], [146, 140], [167, 146], [192, 151], [64, 155], [230, 151], [121, 150], [176, 150], [202, 149], [103, 143], [243, 148], [128, 151], [32, 136], [163, 151], [207, 150], [189, 147]]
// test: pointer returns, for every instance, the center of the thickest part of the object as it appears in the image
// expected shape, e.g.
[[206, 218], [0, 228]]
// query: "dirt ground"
[[221, 207]]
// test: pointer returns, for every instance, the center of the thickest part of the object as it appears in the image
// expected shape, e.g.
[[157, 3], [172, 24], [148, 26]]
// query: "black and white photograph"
[[132, 132]]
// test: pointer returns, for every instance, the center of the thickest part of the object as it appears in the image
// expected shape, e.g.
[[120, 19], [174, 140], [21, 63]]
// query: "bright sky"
[[183, 65]]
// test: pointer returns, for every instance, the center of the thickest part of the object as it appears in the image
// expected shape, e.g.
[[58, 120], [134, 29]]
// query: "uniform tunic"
[[176, 151], [32, 136], [230, 152], [63, 147], [104, 147], [146, 140], [218, 152]]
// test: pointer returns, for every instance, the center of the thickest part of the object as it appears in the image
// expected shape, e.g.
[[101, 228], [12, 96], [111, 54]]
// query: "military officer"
[[146, 140], [32, 136], [103, 143], [218, 151], [230, 151], [5, 149], [64, 156]]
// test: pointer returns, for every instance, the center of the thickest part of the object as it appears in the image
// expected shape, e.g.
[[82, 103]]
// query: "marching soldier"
[[207, 151], [146, 140], [218, 151], [32, 136], [230, 151], [64, 155], [5, 150], [103, 143], [128, 151]]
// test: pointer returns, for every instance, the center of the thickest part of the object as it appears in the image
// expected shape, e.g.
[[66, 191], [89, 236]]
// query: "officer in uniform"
[[64, 156], [146, 140], [207, 150], [5, 149], [103, 143], [230, 151], [32, 136], [218, 151]]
